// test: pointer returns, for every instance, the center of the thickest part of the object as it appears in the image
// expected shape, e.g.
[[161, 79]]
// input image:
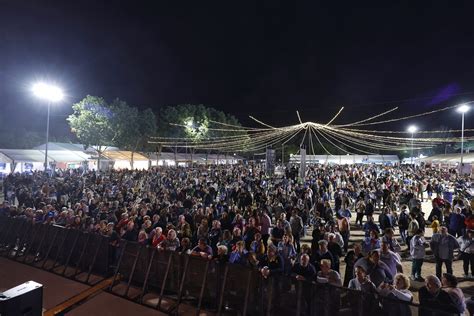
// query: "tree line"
[[102, 124]]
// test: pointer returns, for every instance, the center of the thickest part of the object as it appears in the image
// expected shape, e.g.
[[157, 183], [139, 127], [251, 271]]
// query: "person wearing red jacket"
[[469, 222]]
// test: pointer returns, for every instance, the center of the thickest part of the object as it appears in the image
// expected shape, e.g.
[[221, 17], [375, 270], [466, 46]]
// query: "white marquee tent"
[[65, 155], [347, 159]]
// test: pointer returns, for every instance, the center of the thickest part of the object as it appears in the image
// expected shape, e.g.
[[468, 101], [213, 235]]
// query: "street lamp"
[[412, 129], [51, 94], [463, 108]]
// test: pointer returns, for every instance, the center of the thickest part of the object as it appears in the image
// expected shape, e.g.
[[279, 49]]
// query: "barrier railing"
[[67, 252], [168, 281]]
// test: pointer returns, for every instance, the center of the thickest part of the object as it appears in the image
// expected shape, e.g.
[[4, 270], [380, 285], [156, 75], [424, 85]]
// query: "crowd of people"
[[239, 215]]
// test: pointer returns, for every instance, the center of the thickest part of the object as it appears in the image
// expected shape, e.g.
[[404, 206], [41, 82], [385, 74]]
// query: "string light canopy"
[[348, 138]]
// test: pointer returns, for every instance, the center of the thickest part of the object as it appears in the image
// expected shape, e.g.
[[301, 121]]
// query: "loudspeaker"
[[23, 300]]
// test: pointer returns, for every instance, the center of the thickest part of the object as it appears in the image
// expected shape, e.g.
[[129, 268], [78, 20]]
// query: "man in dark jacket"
[[304, 271], [436, 211], [433, 300]]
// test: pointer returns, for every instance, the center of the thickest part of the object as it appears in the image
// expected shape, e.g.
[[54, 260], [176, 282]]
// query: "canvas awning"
[[23, 155], [124, 155], [32, 155]]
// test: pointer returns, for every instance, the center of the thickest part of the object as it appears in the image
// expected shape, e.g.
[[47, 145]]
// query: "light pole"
[[412, 129], [51, 94], [463, 108]]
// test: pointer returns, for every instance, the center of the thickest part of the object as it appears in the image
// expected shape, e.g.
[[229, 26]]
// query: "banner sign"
[[270, 162], [302, 163]]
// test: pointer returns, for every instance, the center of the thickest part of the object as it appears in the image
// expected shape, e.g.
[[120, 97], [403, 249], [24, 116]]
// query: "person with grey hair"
[[443, 245], [221, 254], [434, 301]]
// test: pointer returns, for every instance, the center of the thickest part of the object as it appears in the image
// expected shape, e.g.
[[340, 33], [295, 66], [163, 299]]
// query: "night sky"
[[266, 60]]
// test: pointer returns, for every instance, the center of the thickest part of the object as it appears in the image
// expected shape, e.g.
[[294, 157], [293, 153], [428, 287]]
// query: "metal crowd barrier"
[[168, 281], [71, 253]]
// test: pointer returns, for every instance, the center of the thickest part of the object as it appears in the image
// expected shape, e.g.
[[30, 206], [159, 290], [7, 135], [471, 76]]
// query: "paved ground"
[[57, 289]]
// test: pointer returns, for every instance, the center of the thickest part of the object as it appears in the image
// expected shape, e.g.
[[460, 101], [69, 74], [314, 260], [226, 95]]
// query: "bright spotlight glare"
[[463, 108], [412, 129], [47, 92]]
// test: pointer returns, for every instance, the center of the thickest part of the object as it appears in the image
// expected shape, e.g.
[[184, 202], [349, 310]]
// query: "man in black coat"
[[433, 300], [304, 271]]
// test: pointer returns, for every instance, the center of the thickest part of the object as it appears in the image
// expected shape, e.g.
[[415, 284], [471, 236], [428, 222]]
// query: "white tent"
[[451, 159], [347, 159]]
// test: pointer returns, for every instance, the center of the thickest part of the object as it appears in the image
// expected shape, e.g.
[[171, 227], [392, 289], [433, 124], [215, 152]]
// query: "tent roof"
[[348, 158], [186, 157], [33, 155], [67, 156], [71, 147], [23, 155], [124, 155], [61, 146], [449, 158]]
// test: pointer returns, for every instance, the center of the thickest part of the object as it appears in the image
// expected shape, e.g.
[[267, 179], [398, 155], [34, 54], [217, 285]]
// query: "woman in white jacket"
[[417, 252], [466, 247]]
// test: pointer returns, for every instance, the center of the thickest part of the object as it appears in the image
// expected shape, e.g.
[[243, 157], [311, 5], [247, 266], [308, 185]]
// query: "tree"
[[92, 124], [133, 127], [195, 123]]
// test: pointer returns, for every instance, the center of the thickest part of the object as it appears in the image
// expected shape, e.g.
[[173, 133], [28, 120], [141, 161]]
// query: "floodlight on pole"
[[412, 130], [51, 94], [48, 92], [463, 108]]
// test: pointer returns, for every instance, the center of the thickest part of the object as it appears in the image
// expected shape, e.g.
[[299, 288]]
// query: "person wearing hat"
[[321, 253], [466, 248]]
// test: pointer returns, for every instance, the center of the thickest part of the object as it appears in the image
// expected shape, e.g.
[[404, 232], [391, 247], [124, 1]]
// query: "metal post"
[[145, 283], [165, 278], [462, 137], [47, 140], [411, 148], [70, 253], [283, 155], [130, 278]]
